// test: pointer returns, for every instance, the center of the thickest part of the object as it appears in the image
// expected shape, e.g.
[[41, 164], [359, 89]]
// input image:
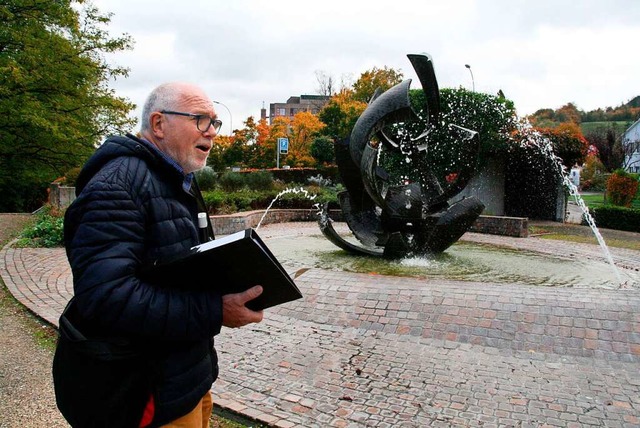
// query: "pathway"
[[380, 351]]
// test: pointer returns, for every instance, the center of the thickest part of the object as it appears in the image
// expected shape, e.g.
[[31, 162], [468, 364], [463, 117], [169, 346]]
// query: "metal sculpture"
[[392, 219]]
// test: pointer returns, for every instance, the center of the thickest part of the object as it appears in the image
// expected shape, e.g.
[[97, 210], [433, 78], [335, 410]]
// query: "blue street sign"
[[283, 144]]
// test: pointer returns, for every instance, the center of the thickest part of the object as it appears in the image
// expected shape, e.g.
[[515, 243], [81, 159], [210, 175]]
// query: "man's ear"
[[157, 123]]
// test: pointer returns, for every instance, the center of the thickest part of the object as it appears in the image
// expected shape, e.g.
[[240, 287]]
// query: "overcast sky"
[[541, 53]]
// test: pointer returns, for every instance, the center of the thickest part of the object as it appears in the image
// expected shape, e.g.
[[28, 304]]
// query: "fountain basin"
[[476, 258]]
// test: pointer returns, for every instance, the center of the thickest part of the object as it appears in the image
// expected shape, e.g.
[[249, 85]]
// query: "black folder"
[[230, 264]]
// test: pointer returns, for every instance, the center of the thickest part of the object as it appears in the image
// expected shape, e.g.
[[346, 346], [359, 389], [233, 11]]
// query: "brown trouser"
[[197, 418]]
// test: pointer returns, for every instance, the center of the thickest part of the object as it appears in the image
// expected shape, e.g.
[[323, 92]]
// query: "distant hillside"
[[634, 102], [623, 114], [618, 127]]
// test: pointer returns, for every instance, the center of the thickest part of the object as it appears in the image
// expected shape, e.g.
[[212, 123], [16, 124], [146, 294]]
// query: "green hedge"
[[618, 218], [223, 202]]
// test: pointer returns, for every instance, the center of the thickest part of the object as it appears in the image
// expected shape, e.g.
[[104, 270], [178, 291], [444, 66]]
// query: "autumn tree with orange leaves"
[[301, 131], [254, 146], [373, 79]]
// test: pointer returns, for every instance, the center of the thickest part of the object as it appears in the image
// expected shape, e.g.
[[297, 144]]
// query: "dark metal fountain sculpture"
[[390, 218]]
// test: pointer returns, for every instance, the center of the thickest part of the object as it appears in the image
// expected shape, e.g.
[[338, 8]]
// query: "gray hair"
[[164, 97]]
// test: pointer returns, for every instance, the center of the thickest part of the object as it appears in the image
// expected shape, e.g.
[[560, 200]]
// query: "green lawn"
[[593, 200], [597, 200]]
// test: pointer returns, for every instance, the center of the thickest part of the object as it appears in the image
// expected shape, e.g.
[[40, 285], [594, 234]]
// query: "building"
[[294, 105], [631, 147]]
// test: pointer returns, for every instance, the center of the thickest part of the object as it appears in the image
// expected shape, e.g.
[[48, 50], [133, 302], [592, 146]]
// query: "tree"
[[304, 127], [543, 118], [569, 113], [55, 104], [235, 154], [373, 79], [340, 114], [629, 149], [568, 143], [608, 145], [327, 84], [262, 152], [548, 118], [322, 150]]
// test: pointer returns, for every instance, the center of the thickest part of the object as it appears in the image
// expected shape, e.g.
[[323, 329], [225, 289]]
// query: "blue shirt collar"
[[188, 178]]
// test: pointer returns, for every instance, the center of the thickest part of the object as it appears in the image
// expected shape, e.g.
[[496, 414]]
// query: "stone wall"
[[231, 223], [487, 185], [61, 196], [226, 224], [499, 225]]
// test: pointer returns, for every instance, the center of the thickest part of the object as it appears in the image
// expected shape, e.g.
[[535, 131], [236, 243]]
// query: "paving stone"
[[364, 350]]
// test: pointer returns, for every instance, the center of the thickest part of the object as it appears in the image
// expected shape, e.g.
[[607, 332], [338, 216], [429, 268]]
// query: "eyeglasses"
[[203, 121]]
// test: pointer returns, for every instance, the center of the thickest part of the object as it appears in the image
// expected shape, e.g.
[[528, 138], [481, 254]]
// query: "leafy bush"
[[232, 181], [46, 232], [618, 218], [206, 178], [242, 199], [214, 200], [259, 180], [593, 175], [221, 202], [621, 188], [493, 117]]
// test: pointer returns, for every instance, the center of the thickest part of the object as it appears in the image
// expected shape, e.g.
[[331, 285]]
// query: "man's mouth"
[[203, 147]]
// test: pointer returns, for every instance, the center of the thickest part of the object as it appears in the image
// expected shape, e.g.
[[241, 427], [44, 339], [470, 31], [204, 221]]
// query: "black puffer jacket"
[[132, 210]]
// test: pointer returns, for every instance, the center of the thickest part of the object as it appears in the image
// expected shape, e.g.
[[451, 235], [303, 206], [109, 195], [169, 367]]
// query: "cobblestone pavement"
[[382, 351]]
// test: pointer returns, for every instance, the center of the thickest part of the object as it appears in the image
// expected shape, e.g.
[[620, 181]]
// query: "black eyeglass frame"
[[216, 123]]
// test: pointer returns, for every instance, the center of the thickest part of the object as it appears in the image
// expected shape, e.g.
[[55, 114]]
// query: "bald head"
[[168, 96]]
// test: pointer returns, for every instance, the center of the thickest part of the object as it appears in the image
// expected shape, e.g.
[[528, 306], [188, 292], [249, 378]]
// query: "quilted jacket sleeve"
[[105, 233]]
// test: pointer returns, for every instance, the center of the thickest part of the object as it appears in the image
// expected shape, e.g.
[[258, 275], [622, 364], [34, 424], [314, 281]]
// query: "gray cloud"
[[541, 54]]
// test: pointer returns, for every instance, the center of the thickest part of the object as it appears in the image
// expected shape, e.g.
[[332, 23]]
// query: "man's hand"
[[234, 311]]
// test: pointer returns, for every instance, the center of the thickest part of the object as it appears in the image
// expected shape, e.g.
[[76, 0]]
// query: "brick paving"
[[382, 351]]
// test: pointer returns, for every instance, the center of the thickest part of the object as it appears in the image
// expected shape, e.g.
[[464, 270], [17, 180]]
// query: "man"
[[134, 352]]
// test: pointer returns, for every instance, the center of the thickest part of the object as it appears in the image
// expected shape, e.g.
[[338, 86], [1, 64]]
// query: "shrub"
[[206, 178], [259, 180], [319, 181], [221, 202], [213, 200], [46, 232], [593, 175], [242, 199], [621, 188], [618, 218], [232, 181]]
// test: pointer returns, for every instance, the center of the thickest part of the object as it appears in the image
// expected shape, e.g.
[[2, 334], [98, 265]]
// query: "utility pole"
[[230, 118], [473, 83]]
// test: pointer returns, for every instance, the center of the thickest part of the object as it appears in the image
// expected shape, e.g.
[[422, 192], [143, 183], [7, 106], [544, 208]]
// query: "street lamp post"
[[473, 83], [230, 118]]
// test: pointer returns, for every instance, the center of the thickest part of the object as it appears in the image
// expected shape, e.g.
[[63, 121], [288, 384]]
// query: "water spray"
[[296, 190], [544, 145]]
